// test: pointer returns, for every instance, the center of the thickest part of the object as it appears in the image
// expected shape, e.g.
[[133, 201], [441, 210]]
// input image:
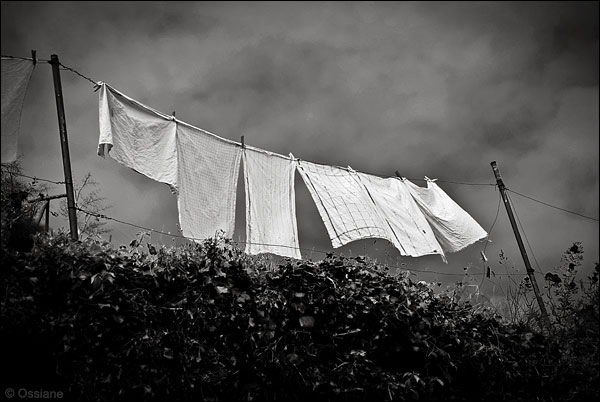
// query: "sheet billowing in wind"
[[410, 232], [417, 221], [454, 228], [16, 74], [344, 205], [203, 169], [208, 175], [270, 204], [137, 136]]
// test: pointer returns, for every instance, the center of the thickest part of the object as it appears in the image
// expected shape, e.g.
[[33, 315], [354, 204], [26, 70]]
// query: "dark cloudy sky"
[[425, 88]]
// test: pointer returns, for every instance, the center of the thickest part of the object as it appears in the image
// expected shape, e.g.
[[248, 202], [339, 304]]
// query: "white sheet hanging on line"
[[16, 74], [454, 228], [208, 175], [270, 203], [410, 231], [137, 136], [343, 203]]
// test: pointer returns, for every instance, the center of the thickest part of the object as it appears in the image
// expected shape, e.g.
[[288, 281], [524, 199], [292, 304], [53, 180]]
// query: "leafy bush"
[[206, 322], [18, 217]]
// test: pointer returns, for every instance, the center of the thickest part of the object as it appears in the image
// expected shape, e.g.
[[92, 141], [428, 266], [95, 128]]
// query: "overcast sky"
[[425, 88]]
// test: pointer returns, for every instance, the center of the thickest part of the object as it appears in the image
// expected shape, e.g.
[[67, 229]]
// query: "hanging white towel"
[[270, 204], [454, 228], [343, 203], [410, 232], [208, 176], [137, 136], [16, 74]]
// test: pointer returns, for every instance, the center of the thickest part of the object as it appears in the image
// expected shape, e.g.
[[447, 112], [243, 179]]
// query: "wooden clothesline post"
[[64, 143], [530, 271]]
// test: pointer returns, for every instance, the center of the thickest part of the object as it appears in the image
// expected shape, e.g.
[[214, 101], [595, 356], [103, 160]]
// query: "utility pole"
[[64, 143], [530, 271]]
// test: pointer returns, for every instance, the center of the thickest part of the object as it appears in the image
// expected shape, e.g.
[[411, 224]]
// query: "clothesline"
[[103, 216], [326, 215], [552, 206], [95, 82], [202, 169], [96, 86], [411, 179]]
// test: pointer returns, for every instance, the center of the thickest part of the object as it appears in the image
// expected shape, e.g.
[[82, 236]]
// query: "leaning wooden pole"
[[511, 217], [64, 144]]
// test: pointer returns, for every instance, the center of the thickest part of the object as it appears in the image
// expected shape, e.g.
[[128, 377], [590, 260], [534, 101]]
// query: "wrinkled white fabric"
[[16, 74], [454, 228], [208, 175], [137, 136], [270, 204], [410, 232], [343, 203]]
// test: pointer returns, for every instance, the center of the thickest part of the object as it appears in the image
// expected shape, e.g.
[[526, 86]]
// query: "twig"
[[353, 331]]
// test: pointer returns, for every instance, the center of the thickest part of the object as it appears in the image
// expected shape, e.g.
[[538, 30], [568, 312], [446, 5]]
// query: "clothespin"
[[293, 158], [97, 86], [243, 145], [33, 57], [431, 180]]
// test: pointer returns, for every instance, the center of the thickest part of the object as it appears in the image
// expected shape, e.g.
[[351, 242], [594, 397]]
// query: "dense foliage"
[[19, 219], [206, 322]]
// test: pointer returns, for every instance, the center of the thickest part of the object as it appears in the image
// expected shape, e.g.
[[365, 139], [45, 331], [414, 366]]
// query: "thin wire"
[[412, 179], [487, 242], [493, 223], [300, 248], [23, 58], [552, 206], [37, 178], [524, 234], [97, 215], [441, 181], [460, 182], [242, 242], [427, 272], [95, 83]]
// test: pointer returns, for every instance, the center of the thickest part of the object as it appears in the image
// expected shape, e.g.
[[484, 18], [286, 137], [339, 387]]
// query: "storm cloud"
[[437, 89]]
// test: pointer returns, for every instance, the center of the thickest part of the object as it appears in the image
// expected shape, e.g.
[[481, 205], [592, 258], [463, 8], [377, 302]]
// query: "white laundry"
[[343, 203], [16, 74], [270, 204], [454, 228], [137, 136], [204, 168], [208, 175], [410, 231]]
